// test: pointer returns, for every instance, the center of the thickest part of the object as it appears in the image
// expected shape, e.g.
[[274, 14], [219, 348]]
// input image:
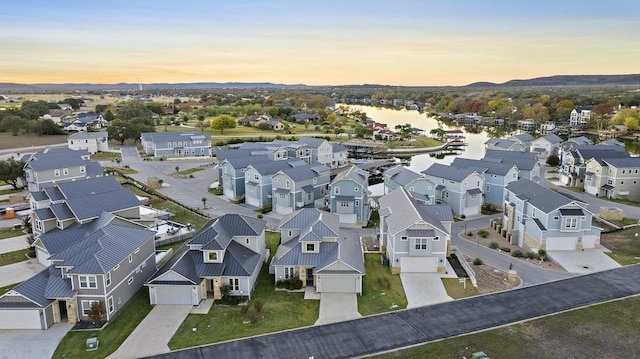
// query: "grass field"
[[380, 289], [624, 245], [8, 141], [14, 257], [457, 290], [9, 232]]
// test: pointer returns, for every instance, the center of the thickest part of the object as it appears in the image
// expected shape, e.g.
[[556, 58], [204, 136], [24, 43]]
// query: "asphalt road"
[[375, 334]]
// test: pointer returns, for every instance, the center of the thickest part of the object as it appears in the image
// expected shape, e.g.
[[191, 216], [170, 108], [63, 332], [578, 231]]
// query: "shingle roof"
[[540, 197], [448, 172]]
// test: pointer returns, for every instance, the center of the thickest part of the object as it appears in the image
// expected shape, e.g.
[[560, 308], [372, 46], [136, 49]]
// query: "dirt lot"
[[7, 140]]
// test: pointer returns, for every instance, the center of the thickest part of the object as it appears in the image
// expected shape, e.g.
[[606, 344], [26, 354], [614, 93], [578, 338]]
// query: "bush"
[[494, 245], [505, 249], [542, 254], [517, 253], [260, 215], [298, 284], [244, 309], [463, 216], [483, 233], [257, 305], [254, 318], [531, 255], [553, 160], [469, 234], [477, 262], [281, 284]]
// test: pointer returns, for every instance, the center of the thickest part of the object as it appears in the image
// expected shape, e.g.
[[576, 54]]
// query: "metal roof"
[[61, 211], [91, 206], [420, 233], [623, 162], [401, 175], [538, 196], [56, 158], [33, 289], [173, 136], [404, 211], [355, 174], [82, 135], [44, 214], [474, 191], [448, 172]]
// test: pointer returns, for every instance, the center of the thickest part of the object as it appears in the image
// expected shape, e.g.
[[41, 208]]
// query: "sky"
[[324, 42]]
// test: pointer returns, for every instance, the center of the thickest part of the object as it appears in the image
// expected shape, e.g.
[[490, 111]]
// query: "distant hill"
[[11, 87], [567, 80]]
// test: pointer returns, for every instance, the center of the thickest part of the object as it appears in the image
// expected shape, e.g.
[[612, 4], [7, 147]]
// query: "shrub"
[[298, 284], [477, 262], [517, 253], [530, 255], [469, 234], [553, 160], [463, 216], [281, 284], [254, 318], [494, 245], [257, 305], [483, 233], [260, 215], [244, 309], [542, 254], [96, 312], [505, 249]]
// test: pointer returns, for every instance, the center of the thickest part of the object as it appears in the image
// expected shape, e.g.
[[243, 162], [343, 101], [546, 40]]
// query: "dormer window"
[[82, 169], [310, 247], [56, 173], [213, 256], [65, 171]]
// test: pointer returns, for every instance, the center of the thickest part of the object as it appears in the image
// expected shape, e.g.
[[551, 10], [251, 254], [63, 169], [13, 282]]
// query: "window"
[[336, 190], [137, 250], [247, 241], [571, 222], [315, 180], [130, 258], [234, 283], [487, 188], [213, 256], [421, 243], [107, 279], [311, 247], [82, 169], [38, 225], [256, 177], [110, 306], [403, 238], [282, 196], [556, 218], [56, 173], [357, 203], [88, 281], [289, 272], [130, 281], [86, 306], [344, 204], [287, 184], [65, 171]]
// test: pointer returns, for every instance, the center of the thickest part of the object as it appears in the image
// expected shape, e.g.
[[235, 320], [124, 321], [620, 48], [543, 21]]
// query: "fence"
[[470, 272]]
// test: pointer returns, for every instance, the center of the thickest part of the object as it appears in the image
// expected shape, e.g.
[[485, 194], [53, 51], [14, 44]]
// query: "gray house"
[[496, 177], [106, 261], [349, 196], [573, 165], [93, 142], [526, 162], [232, 174], [56, 165], [176, 144], [400, 176], [314, 249], [536, 218], [416, 235], [297, 187], [613, 178], [460, 188], [227, 251], [257, 182]]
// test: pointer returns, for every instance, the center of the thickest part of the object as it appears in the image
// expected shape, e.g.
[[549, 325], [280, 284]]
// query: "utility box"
[[92, 343], [479, 355]]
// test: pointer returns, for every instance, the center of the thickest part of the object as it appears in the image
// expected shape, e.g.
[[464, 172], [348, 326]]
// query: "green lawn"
[[190, 171], [13, 257], [10, 232], [420, 142], [175, 246], [380, 289], [457, 290], [106, 156], [8, 191], [607, 330], [112, 336], [182, 215], [7, 288], [281, 311]]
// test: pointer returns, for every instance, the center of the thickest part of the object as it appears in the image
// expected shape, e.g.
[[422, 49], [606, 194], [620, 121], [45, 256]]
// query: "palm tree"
[[204, 202]]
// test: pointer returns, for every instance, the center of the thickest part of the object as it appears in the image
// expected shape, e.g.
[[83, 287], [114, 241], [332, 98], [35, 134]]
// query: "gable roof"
[[622, 162], [56, 158], [175, 136], [323, 223], [447, 172], [523, 137], [355, 174], [552, 138], [496, 168], [217, 234], [538, 196], [402, 210], [401, 175], [304, 172], [82, 135]]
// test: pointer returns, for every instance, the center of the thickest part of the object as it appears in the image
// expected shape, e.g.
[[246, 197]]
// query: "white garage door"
[[418, 264], [561, 244], [337, 284], [348, 217], [251, 200], [20, 319], [173, 295], [589, 241], [280, 209]]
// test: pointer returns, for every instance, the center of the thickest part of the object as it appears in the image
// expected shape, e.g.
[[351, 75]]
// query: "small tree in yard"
[[204, 202], [553, 160], [477, 262], [542, 254], [177, 169], [257, 305], [96, 313]]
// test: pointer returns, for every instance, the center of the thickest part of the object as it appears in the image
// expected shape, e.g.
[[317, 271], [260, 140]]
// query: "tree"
[[600, 112], [166, 122], [46, 127], [96, 313], [108, 116], [223, 122], [10, 171], [204, 124], [14, 124], [553, 160], [204, 202], [135, 112], [177, 169]]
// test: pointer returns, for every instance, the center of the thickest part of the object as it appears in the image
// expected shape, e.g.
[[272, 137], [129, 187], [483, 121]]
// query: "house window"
[[38, 225], [287, 184], [357, 203], [311, 247], [130, 258], [344, 204], [256, 177], [110, 306], [315, 180], [234, 283], [487, 188], [421, 243], [247, 241], [56, 173], [282, 195], [130, 281], [403, 238], [108, 279], [82, 169], [65, 171], [571, 222], [289, 272], [86, 306], [88, 281], [213, 256], [556, 218]]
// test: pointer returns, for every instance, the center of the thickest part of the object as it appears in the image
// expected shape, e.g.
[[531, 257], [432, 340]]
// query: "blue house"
[[349, 197]]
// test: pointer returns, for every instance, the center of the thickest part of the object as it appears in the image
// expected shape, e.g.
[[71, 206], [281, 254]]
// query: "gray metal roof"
[[322, 223], [448, 172], [53, 193], [56, 158], [349, 252], [496, 168], [57, 240], [242, 162], [353, 173], [510, 154], [308, 188], [34, 288], [91, 206], [623, 162], [404, 211], [205, 269], [304, 172], [240, 261], [294, 256], [523, 137], [82, 135], [174, 136], [474, 191], [180, 263], [269, 167], [421, 233], [312, 142], [61, 211], [540, 197], [44, 214], [89, 186], [58, 287], [38, 196], [552, 138], [401, 175]]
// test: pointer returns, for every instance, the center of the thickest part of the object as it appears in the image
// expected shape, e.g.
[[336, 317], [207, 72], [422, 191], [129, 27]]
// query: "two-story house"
[[92, 142], [232, 174], [573, 161], [86, 121], [56, 165], [416, 235], [339, 153], [460, 188], [580, 116], [502, 144], [401, 176], [227, 251], [546, 146], [297, 187], [349, 196], [258, 182], [106, 261], [523, 139], [536, 218], [314, 249], [526, 162], [176, 144], [496, 176], [616, 178]]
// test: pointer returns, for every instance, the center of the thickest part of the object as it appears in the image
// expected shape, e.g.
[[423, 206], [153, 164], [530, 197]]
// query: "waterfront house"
[[460, 188], [617, 178], [502, 144], [497, 176], [258, 182], [400, 176], [526, 162], [573, 166], [580, 116], [349, 196], [546, 146]]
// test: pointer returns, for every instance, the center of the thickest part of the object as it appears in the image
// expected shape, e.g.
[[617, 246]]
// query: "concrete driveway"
[[30, 344], [152, 335], [338, 307], [583, 262], [423, 289]]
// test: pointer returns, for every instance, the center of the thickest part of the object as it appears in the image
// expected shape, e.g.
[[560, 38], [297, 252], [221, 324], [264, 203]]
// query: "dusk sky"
[[315, 42]]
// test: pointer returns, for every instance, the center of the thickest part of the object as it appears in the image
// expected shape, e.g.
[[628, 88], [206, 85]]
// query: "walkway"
[[374, 334]]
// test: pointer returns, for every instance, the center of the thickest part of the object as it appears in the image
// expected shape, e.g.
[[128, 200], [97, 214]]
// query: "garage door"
[[348, 217], [561, 244], [173, 295], [337, 284], [418, 264], [252, 201], [20, 319]]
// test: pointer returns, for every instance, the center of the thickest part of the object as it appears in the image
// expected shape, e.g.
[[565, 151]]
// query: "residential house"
[[546, 146], [227, 251], [93, 142], [87, 121], [523, 139], [315, 250], [321, 150], [548, 127], [176, 144], [580, 116], [339, 155], [349, 196], [106, 261], [573, 165], [502, 144], [401, 176], [416, 235], [613, 132], [460, 188], [616, 178], [297, 187], [526, 162], [232, 175], [527, 125], [58, 116], [576, 141], [536, 217], [56, 165], [306, 117], [497, 176], [257, 182]]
